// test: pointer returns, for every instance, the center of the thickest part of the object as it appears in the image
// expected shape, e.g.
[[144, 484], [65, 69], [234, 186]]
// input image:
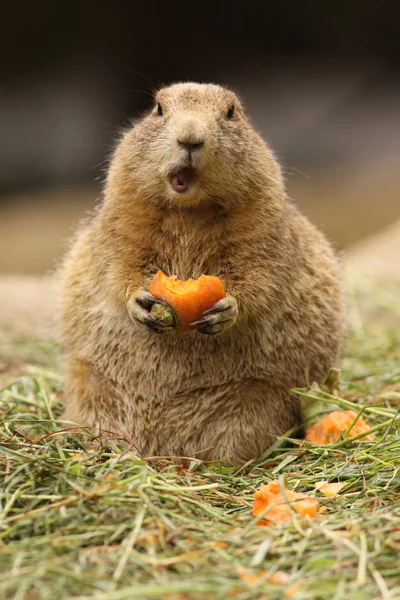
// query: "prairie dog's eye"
[[231, 112], [159, 110]]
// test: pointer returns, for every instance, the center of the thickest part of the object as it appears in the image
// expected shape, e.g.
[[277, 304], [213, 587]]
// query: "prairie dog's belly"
[[161, 366]]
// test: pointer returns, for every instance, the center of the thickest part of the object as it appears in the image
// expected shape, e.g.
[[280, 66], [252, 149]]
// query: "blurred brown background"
[[321, 81]]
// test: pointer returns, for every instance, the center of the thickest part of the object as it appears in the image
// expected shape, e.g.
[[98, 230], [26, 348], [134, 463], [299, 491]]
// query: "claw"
[[196, 323], [220, 306], [218, 318], [208, 322], [141, 308], [213, 329], [146, 300], [215, 309], [153, 324], [208, 331], [157, 328]]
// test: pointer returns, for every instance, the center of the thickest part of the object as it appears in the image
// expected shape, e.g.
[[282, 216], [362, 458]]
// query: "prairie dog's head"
[[196, 145]]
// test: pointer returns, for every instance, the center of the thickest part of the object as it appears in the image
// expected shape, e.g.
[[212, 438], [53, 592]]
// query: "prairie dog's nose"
[[190, 133], [191, 145]]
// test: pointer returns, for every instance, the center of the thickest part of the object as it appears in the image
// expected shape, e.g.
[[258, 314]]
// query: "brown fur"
[[223, 396]]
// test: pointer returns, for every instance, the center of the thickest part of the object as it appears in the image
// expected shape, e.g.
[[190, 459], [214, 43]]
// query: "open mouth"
[[181, 179]]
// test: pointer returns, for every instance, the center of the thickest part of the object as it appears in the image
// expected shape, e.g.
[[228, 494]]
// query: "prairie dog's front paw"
[[154, 314], [219, 317]]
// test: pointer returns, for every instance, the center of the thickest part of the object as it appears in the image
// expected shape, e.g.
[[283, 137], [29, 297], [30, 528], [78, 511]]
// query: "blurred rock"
[[377, 257], [28, 305]]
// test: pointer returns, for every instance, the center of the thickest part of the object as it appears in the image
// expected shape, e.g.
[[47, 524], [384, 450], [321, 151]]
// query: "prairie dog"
[[193, 189]]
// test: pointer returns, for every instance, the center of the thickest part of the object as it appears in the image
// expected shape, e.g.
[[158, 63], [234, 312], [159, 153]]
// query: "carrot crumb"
[[330, 428], [279, 577], [292, 590], [248, 577], [280, 507], [330, 489]]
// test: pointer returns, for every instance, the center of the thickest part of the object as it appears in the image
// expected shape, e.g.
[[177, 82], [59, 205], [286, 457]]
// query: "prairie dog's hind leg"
[[255, 414], [92, 401]]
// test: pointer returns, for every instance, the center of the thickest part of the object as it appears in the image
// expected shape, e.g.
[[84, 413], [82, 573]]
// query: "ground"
[[80, 520]]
